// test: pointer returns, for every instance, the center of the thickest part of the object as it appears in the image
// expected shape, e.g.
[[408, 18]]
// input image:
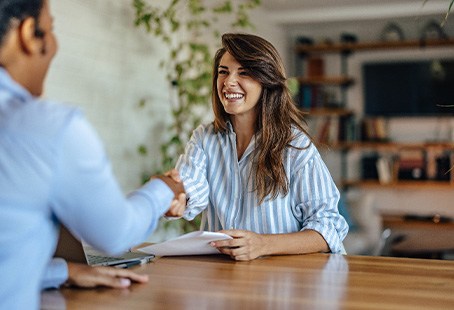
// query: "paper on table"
[[193, 243]]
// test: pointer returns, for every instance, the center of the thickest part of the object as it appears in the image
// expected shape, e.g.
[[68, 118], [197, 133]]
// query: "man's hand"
[[81, 275], [173, 181]]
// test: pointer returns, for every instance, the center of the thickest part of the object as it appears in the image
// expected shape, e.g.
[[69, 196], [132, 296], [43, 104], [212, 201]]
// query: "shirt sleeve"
[[87, 199], [55, 274], [192, 166], [318, 197]]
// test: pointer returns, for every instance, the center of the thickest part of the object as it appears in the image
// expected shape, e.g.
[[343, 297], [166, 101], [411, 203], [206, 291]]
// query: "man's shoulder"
[[45, 116], [54, 108]]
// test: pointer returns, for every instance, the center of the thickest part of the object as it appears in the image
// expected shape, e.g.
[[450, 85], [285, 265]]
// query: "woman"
[[254, 172]]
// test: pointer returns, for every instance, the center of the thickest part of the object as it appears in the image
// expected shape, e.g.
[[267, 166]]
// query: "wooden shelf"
[[400, 221], [348, 47], [394, 146], [400, 184], [337, 112], [325, 80]]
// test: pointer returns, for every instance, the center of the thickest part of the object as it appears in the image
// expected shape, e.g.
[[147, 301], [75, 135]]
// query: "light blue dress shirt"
[[221, 186], [53, 169]]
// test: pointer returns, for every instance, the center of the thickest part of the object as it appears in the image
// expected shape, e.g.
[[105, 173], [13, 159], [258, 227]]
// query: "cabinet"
[[396, 159]]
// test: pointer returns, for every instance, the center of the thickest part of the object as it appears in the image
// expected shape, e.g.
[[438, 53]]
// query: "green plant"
[[451, 2], [188, 28]]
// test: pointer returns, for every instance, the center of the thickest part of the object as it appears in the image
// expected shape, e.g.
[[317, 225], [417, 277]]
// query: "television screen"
[[413, 88]]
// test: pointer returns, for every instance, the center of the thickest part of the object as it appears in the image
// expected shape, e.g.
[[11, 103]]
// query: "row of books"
[[315, 96], [332, 130], [374, 129]]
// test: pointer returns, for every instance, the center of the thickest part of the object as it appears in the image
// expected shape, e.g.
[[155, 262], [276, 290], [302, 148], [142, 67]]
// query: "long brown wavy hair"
[[277, 116]]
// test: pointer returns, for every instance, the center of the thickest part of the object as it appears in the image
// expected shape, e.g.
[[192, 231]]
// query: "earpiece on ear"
[[39, 33]]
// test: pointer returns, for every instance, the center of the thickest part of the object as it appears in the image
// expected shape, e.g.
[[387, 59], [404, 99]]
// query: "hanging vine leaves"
[[448, 11], [184, 26], [188, 64]]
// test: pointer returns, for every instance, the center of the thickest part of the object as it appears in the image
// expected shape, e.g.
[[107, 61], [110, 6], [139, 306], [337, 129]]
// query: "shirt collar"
[[229, 127], [251, 145], [12, 87]]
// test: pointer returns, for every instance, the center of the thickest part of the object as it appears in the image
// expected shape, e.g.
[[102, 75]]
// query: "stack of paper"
[[194, 243]]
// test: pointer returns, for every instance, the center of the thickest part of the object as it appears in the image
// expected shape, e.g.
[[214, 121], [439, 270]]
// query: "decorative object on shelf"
[[305, 40], [412, 164], [386, 169], [432, 31], [443, 166], [349, 38], [392, 33]]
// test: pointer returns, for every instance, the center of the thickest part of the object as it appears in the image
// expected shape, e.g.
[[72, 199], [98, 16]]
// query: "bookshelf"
[[346, 136]]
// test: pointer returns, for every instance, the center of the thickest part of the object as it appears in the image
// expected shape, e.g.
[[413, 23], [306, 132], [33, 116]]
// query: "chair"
[[366, 236]]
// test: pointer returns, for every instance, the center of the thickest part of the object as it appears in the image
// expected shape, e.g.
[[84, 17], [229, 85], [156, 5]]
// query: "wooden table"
[[315, 281]]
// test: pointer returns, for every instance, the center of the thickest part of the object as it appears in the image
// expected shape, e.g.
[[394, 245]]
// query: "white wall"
[[105, 65]]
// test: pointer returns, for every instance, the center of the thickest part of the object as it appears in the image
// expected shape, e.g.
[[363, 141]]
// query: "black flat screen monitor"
[[410, 88]]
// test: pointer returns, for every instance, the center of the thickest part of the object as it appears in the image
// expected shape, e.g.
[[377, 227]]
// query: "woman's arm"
[[247, 245], [192, 166]]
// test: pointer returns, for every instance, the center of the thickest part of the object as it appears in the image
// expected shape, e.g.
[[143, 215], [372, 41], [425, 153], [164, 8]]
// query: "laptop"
[[71, 249]]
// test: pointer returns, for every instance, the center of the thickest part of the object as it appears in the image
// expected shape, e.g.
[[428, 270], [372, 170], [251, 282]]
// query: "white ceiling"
[[306, 11], [310, 4]]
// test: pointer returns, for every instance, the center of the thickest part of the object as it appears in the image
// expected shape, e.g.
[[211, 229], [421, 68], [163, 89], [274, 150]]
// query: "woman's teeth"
[[233, 96]]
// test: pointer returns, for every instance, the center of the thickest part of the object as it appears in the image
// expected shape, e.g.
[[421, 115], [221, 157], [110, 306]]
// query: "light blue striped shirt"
[[220, 186]]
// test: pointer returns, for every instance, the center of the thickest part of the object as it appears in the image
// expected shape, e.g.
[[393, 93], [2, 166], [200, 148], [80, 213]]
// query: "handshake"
[[173, 181]]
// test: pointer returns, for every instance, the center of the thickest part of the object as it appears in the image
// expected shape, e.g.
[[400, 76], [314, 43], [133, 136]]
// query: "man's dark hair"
[[18, 10]]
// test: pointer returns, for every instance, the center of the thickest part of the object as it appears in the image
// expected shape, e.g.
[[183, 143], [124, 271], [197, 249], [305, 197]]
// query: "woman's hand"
[[85, 276], [245, 245], [173, 181], [177, 206]]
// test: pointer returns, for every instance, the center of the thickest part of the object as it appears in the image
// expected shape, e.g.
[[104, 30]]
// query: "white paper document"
[[193, 243]]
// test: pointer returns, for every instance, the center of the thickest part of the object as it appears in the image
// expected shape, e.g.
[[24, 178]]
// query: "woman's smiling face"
[[237, 90]]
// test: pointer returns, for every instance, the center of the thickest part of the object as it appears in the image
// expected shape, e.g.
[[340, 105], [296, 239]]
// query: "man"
[[53, 169]]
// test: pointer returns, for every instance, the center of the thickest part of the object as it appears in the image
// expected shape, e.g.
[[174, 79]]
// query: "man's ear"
[[29, 42]]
